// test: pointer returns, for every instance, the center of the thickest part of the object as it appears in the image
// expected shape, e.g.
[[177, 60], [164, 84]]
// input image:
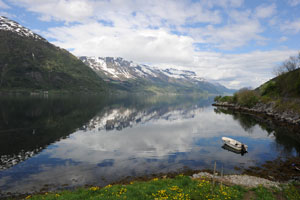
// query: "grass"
[[263, 193], [180, 187]]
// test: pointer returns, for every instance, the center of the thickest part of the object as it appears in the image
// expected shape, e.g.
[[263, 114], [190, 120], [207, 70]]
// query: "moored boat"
[[236, 145]]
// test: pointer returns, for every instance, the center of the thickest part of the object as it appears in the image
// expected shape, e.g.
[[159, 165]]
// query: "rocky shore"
[[267, 109], [243, 180]]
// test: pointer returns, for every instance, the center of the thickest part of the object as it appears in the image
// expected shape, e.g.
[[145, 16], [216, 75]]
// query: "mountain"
[[134, 77], [30, 62]]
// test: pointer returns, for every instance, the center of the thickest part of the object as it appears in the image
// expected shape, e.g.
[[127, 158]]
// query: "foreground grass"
[[181, 187]]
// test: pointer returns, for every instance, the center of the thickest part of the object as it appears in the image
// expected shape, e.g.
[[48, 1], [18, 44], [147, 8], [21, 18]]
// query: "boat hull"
[[234, 144]]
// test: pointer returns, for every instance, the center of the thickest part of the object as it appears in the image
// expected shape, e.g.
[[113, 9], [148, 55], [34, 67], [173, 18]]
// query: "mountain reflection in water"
[[74, 141]]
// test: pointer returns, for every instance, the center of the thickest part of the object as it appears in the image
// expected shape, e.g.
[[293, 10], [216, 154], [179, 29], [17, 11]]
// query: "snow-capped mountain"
[[12, 26], [120, 69], [133, 74]]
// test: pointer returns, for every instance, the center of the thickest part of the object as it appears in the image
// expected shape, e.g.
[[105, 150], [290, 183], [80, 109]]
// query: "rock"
[[244, 180]]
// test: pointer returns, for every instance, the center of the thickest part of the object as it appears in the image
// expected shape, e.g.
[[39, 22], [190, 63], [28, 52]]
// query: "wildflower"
[[94, 188], [28, 197], [57, 195], [155, 179], [108, 186]]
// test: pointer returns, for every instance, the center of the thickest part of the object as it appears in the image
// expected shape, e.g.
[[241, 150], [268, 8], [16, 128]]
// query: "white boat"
[[236, 145]]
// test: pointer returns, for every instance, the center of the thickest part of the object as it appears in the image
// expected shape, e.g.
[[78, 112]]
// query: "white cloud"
[[291, 26], [265, 11], [294, 2], [283, 39], [140, 45], [230, 36], [239, 70], [3, 5], [62, 10]]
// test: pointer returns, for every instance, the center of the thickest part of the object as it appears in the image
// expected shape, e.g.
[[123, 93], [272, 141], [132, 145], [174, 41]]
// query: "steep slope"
[[28, 61], [285, 85], [133, 77]]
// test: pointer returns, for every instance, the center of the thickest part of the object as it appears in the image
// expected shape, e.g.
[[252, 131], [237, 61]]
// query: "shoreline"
[[211, 183], [245, 179], [284, 117]]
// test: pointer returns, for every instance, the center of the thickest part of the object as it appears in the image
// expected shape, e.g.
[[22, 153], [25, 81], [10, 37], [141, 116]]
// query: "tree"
[[288, 65]]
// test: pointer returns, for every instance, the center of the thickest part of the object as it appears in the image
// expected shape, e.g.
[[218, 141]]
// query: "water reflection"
[[100, 140], [287, 137]]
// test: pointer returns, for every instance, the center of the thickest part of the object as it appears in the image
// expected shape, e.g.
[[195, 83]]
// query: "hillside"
[[285, 85], [133, 77], [29, 62]]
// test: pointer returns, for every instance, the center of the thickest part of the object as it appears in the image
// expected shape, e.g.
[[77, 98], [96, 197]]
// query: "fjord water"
[[48, 143]]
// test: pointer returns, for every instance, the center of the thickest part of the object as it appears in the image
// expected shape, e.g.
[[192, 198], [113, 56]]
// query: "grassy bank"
[[249, 98], [180, 187]]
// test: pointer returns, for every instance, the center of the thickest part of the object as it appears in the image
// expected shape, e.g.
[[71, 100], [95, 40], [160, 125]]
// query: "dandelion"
[[155, 179], [57, 195]]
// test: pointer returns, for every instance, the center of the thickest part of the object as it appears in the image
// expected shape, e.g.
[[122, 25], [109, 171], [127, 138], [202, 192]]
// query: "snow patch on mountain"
[[12, 26], [118, 68]]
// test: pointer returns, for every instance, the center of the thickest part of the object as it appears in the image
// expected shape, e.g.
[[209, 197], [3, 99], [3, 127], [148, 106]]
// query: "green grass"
[[291, 192], [180, 187], [263, 193]]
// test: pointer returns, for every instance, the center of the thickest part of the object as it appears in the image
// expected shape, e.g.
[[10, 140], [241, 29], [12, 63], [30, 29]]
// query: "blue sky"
[[237, 43]]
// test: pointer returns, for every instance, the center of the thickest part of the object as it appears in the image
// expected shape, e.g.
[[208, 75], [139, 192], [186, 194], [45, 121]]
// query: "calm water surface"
[[61, 142]]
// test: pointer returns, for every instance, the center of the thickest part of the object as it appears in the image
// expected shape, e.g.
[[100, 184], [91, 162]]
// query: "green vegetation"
[[283, 90], [263, 193], [180, 187], [286, 85], [245, 97], [29, 64]]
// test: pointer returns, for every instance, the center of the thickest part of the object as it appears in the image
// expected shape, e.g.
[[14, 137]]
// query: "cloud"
[[291, 26], [239, 70], [230, 36], [3, 5], [142, 45], [283, 39], [265, 11], [294, 2], [61, 10]]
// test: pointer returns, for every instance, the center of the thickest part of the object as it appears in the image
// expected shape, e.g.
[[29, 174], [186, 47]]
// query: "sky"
[[237, 43]]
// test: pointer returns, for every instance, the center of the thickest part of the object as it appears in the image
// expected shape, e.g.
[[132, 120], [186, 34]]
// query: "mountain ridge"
[[128, 73], [30, 62]]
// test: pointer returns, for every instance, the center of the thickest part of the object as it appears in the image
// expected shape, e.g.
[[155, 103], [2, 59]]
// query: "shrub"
[[217, 98], [228, 99], [247, 98]]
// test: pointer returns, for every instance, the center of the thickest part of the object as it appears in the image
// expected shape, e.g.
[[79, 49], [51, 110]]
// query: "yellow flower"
[[28, 197], [155, 179], [108, 186], [94, 188], [57, 195]]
